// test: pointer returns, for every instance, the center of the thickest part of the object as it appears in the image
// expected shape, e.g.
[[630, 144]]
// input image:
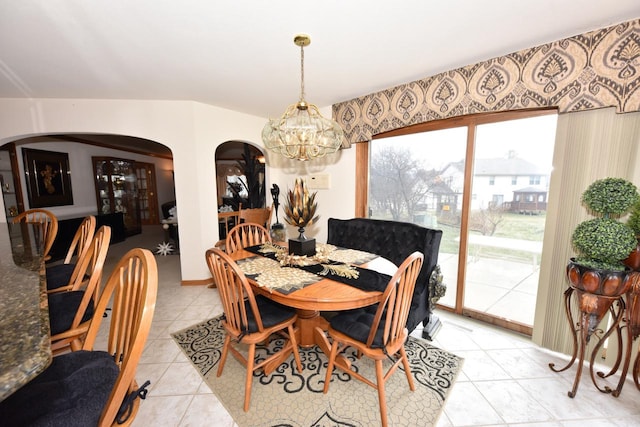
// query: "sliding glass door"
[[484, 182]]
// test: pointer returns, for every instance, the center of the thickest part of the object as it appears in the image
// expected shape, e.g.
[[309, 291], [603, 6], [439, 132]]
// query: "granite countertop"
[[25, 349]]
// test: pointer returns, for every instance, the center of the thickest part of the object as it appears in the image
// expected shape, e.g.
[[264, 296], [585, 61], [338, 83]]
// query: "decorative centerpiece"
[[300, 211]]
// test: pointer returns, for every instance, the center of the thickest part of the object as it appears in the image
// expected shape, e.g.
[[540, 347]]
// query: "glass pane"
[[510, 184], [419, 178]]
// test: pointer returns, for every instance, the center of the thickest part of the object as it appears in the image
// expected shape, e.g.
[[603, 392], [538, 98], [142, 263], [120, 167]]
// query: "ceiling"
[[240, 55]]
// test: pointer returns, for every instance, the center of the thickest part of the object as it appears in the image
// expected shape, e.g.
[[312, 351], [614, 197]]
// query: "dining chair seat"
[[63, 307], [357, 325], [59, 275], [271, 313], [80, 376]]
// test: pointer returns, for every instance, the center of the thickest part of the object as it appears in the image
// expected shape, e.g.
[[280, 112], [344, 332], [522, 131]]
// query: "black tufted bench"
[[394, 241]]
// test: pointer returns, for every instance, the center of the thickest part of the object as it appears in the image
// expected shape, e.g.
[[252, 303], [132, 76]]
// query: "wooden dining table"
[[325, 295]]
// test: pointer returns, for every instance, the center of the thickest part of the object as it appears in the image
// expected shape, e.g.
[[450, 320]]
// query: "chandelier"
[[302, 133]]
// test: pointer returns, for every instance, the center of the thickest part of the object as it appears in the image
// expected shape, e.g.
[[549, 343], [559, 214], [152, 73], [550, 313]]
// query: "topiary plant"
[[634, 219], [604, 242]]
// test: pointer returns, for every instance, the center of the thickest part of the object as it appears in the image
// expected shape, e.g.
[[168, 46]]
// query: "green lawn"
[[513, 226]]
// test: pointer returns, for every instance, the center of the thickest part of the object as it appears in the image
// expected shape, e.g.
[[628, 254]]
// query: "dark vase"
[[301, 245]]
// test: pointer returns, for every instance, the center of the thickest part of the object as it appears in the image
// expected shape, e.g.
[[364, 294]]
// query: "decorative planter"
[[607, 283], [596, 291], [633, 260]]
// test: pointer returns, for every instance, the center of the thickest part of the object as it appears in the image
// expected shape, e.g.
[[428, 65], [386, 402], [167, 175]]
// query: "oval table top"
[[325, 294]]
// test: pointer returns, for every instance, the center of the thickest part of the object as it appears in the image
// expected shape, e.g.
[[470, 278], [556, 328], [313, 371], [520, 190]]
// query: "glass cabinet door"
[[116, 191], [103, 187], [125, 195]]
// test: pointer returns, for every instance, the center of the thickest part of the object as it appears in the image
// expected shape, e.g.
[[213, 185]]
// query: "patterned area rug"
[[288, 398]]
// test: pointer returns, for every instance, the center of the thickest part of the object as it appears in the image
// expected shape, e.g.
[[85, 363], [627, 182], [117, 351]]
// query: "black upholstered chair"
[[378, 334], [89, 387], [393, 240], [249, 319]]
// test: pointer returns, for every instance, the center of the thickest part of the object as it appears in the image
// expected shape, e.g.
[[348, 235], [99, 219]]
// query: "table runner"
[[267, 271]]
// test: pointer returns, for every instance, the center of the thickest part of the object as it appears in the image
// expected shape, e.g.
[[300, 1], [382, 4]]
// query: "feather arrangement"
[[342, 270], [300, 207]]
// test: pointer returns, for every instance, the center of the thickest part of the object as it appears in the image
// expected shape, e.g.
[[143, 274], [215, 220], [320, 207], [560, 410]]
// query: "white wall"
[[192, 131]]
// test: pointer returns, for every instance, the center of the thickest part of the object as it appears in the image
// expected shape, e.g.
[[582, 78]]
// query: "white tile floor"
[[505, 380]]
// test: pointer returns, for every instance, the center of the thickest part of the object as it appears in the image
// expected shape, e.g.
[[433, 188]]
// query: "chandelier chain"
[[302, 94]]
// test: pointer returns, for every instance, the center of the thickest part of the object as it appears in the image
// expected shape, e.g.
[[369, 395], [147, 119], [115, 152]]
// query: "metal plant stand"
[[597, 292], [585, 328]]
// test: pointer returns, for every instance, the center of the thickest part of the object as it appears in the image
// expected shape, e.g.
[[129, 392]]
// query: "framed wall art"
[[48, 178]]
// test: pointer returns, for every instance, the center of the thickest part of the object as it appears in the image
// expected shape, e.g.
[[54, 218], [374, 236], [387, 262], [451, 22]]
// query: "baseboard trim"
[[196, 282]]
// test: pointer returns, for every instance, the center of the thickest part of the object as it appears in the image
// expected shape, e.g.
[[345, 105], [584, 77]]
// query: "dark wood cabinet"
[[117, 190]]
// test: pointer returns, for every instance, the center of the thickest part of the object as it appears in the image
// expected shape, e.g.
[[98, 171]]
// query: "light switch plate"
[[319, 181]]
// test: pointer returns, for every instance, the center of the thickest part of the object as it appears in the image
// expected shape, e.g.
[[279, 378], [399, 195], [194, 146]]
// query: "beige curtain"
[[589, 145]]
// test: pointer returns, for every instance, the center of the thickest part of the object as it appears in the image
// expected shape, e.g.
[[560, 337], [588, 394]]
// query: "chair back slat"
[[234, 290], [132, 290], [81, 239], [393, 310], [229, 220], [245, 235], [93, 264]]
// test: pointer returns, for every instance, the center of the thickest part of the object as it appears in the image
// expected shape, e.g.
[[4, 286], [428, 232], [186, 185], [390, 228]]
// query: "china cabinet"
[[11, 192], [117, 191]]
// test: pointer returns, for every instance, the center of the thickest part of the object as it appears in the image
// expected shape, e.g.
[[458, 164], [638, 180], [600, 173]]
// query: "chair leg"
[[407, 368], [381, 394], [247, 384], [332, 360], [294, 347], [225, 351]]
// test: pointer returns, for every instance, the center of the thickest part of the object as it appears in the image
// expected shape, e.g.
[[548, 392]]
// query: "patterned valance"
[[593, 70]]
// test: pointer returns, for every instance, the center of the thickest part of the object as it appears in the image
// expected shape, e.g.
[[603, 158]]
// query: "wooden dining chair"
[[244, 235], [226, 221], [249, 319], [70, 312], [260, 216], [91, 387], [47, 227], [61, 277], [378, 334]]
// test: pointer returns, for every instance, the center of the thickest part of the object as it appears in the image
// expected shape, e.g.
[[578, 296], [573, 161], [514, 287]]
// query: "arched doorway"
[[240, 175], [150, 178]]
